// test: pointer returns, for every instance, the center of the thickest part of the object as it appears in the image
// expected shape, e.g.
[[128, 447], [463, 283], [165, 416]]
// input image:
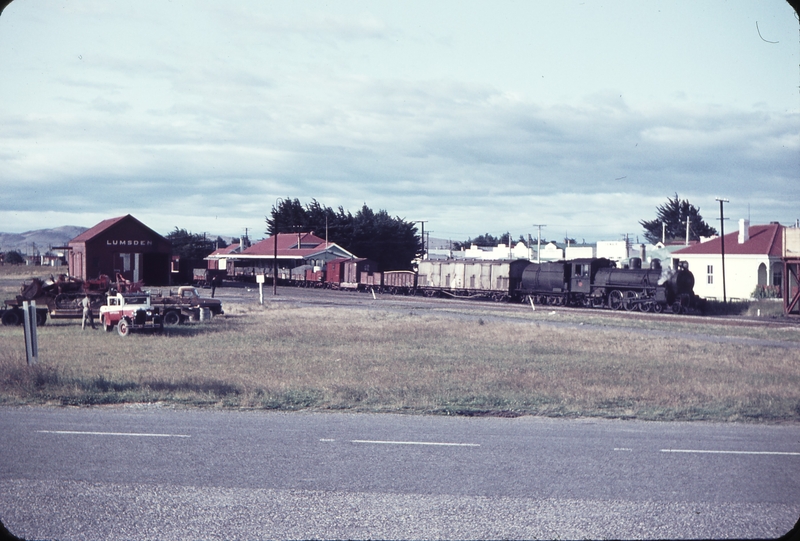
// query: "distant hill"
[[42, 239]]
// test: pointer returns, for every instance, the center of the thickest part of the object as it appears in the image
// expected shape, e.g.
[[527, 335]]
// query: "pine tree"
[[671, 222]]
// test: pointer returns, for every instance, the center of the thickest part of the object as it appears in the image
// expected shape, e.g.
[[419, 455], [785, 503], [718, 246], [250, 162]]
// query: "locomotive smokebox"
[[683, 282]]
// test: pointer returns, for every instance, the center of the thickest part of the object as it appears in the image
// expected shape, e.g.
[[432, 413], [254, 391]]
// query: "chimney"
[[744, 230]]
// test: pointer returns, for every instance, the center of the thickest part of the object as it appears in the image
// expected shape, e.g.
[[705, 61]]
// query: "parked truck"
[[185, 305]]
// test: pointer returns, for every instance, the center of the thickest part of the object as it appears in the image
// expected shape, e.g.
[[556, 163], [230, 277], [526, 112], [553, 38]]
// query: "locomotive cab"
[[581, 273], [580, 277]]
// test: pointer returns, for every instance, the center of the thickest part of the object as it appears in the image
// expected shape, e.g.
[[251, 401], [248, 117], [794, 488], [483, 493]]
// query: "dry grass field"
[[488, 362]]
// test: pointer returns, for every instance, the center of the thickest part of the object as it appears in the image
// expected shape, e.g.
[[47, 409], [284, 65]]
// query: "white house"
[[752, 259], [615, 250], [583, 251], [551, 252]]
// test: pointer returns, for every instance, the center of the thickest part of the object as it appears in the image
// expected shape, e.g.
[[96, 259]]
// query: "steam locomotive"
[[595, 283]]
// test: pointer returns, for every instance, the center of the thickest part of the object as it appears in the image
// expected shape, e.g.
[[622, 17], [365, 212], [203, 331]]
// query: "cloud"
[[446, 149], [234, 107]]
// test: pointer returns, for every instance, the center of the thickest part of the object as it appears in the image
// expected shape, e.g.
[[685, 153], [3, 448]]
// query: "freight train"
[[591, 283]]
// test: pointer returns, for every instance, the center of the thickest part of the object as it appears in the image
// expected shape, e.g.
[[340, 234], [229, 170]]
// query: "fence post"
[[31, 341]]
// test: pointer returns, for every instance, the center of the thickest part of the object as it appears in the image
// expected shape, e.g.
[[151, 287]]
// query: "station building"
[[123, 246]]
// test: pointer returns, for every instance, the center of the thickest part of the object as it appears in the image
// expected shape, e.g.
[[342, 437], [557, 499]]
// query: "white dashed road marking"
[[387, 442], [134, 434], [703, 451]]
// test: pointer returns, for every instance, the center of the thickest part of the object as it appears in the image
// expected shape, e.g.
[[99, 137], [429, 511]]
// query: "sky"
[[476, 117]]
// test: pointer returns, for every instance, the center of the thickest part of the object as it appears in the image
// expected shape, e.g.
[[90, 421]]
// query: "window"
[[710, 271]]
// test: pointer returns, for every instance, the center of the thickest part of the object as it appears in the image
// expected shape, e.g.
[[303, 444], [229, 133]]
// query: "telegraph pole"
[[722, 239], [278, 201], [539, 242], [422, 235], [688, 221]]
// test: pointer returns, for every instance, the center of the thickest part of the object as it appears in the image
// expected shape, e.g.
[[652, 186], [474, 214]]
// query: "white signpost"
[[260, 280], [31, 341]]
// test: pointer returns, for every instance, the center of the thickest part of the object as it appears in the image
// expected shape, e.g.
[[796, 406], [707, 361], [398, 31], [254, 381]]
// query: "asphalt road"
[[154, 473]]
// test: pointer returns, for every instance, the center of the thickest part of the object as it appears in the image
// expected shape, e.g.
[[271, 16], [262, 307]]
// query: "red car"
[[130, 312]]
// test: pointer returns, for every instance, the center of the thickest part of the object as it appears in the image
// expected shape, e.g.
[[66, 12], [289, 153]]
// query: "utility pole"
[[275, 252], [422, 235], [539, 242], [722, 239], [688, 221]]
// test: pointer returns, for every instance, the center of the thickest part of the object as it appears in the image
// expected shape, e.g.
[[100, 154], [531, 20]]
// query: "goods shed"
[[124, 246], [791, 273]]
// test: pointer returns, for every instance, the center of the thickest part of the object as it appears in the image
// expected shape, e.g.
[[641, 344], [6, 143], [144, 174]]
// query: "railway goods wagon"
[[334, 273], [402, 282], [470, 278], [314, 277], [353, 270], [371, 280]]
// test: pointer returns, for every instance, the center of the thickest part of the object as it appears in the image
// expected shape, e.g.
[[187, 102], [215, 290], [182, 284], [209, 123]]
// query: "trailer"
[[11, 314], [60, 297], [185, 305]]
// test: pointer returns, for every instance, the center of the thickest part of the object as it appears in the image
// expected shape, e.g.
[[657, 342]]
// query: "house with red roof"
[[752, 261], [294, 250], [121, 245]]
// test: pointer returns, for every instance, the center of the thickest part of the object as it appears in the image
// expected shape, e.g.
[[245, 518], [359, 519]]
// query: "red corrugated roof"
[[99, 228], [106, 224], [764, 240], [288, 245], [225, 251]]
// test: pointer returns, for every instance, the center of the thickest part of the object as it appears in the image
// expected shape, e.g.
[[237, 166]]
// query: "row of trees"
[[193, 246], [392, 242], [12, 257]]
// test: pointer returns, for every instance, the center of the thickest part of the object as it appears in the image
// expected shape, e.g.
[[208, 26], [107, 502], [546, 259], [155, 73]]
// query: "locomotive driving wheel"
[[615, 299], [629, 301]]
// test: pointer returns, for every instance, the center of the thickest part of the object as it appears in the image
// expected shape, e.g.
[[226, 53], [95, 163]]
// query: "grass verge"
[[279, 357]]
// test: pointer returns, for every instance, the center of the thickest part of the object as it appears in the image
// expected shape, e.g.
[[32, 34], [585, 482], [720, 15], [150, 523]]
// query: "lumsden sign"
[[129, 242]]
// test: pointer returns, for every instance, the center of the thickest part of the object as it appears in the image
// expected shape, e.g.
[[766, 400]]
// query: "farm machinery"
[[61, 297]]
